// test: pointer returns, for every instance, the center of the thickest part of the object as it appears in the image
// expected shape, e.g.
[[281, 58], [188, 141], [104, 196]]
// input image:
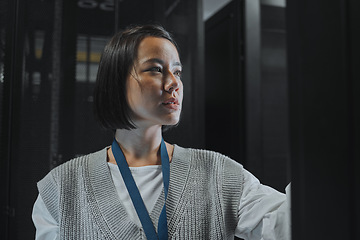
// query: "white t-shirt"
[[263, 212]]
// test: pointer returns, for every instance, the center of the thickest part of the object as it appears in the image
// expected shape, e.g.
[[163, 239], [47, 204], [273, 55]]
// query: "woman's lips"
[[171, 103]]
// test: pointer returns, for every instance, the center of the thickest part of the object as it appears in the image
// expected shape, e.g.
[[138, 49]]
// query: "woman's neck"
[[140, 146]]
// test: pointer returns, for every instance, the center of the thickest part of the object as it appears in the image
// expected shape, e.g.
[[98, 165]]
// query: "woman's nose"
[[172, 83]]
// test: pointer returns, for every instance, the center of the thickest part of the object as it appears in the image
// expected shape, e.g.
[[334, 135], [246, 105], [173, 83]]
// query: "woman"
[[120, 191]]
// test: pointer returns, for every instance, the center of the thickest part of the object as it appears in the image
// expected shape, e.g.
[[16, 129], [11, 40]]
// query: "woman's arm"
[[264, 213], [46, 226]]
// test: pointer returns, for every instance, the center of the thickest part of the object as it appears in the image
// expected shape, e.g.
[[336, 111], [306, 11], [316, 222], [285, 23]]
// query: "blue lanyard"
[[135, 194]]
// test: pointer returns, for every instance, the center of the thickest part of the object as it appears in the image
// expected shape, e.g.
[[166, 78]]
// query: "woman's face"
[[154, 87]]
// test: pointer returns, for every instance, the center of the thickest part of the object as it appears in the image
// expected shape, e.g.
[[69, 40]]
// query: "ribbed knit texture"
[[204, 194]]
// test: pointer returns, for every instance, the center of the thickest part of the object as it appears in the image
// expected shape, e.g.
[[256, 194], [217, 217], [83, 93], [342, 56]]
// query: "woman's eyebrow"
[[160, 61], [178, 64], [154, 60]]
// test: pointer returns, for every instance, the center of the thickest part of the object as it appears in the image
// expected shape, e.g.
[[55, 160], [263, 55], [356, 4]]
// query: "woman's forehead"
[[158, 49]]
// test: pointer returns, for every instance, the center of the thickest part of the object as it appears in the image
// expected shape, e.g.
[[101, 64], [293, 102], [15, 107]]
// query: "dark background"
[[273, 85]]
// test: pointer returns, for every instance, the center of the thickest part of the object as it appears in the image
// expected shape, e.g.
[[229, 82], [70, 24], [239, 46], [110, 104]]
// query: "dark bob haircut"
[[110, 103]]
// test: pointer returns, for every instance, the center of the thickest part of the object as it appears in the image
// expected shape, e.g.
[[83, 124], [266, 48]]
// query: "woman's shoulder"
[[217, 166], [205, 156], [79, 163]]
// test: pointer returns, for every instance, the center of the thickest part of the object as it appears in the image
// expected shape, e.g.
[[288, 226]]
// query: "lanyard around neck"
[[135, 194]]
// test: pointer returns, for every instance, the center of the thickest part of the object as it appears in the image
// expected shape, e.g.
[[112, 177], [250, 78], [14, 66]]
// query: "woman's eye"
[[177, 73], [155, 69]]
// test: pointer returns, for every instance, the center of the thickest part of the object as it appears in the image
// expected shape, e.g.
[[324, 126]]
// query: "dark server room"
[[271, 85]]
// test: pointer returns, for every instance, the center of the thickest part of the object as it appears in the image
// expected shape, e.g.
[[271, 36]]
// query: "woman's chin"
[[172, 122]]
